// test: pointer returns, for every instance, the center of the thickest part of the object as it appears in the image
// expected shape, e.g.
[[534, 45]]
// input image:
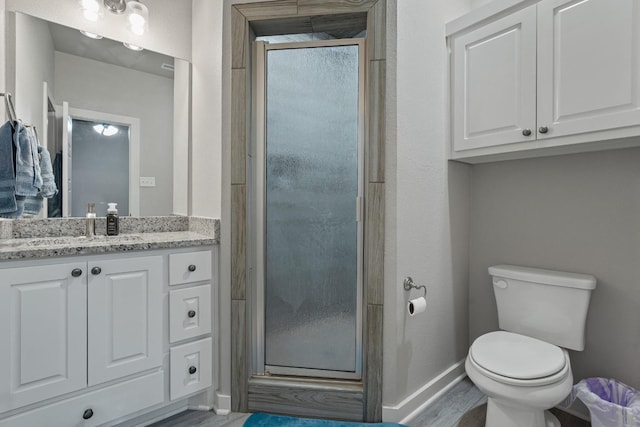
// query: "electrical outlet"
[[147, 181]]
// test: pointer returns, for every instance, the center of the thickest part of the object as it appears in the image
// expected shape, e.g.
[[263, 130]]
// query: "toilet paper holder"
[[409, 284]]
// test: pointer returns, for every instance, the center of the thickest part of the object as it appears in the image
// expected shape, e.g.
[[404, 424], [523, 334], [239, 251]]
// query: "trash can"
[[610, 402]]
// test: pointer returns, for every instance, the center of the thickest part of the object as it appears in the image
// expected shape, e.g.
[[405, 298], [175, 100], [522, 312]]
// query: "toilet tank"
[[544, 304]]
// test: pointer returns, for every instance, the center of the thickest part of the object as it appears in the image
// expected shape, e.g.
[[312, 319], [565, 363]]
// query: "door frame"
[[257, 210], [133, 123], [236, 388]]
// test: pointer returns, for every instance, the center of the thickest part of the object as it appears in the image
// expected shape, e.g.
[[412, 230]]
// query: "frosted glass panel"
[[311, 190]]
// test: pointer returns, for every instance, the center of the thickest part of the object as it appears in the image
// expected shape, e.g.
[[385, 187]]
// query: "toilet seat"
[[517, 359]]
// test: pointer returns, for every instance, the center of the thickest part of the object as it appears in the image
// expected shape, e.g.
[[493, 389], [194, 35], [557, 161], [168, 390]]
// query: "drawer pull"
[[191, 314], [76, 272], [96, 270], [192, 268], [87, 414], [192, 370]]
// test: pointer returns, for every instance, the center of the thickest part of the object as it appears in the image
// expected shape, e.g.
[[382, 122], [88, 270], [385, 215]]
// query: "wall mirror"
[[106, 114]]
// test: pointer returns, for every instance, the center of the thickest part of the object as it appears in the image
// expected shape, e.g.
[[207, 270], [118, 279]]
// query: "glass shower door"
[[312, 173]]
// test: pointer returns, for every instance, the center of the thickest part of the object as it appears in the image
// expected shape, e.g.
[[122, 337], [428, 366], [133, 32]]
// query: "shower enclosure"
[[308, 183]]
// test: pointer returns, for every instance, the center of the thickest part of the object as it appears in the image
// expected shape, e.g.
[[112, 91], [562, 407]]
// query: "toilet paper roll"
[[416, 306]]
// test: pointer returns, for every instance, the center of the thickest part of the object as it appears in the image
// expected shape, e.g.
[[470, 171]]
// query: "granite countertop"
[[31, 239]]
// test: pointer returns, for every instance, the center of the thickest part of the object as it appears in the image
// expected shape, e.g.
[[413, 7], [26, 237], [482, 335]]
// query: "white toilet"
[[524, 369]]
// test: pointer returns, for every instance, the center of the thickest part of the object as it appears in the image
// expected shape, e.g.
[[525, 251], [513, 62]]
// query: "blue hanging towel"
[[33, 205], [7, 172], [28, 177]]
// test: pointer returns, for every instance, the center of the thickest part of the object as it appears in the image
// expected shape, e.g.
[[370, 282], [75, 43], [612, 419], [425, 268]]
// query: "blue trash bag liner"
[[610, 402]]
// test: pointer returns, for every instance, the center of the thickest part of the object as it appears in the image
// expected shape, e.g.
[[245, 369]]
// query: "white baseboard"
[[222, 404], [409, 408], [153, 416]]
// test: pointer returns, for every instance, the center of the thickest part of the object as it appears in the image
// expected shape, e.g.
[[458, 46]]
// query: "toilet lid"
[[517, 356]]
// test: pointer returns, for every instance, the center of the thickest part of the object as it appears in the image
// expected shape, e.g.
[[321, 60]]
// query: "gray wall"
[[106, 88], [578, 213], [427, 208], [34, 65]]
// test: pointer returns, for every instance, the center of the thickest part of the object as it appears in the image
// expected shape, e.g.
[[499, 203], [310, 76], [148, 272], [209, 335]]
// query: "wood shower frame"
[[351, 400]]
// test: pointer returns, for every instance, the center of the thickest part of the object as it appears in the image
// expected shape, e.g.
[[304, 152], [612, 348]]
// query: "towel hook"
[[408, 285], [9, 107]]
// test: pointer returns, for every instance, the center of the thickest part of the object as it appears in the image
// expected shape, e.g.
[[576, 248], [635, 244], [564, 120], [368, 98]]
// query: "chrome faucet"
[[90, 225]]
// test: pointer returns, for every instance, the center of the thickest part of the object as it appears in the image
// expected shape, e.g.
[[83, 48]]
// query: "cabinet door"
[[588, 65], [125, 317], [494, 83], [43, 331]]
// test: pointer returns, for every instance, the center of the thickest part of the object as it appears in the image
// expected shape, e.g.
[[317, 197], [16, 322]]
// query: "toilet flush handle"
[[502, 284]]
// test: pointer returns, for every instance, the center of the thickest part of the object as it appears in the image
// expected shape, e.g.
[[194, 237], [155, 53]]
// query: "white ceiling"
[[71, 41]]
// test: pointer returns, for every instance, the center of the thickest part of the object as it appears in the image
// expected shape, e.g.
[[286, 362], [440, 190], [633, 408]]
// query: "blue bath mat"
[[267, 420]]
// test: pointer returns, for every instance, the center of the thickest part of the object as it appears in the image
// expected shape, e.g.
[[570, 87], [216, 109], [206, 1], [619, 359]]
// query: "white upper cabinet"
[[558, 76], [588, 65], [494, 81]]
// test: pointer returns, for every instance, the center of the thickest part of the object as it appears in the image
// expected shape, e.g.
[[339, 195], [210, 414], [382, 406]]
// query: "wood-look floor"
[[203, 419], [462, 406]]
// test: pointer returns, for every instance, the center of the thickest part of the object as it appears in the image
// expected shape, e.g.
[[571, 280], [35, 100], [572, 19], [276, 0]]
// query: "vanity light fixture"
[[136, 14], [116, 6], [132, 46], [91, 35], [106, 130]]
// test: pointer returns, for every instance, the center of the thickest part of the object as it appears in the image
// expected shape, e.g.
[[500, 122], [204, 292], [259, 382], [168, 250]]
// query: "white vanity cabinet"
[[91, 341], [190, 318], [557, 76], [75, 325]]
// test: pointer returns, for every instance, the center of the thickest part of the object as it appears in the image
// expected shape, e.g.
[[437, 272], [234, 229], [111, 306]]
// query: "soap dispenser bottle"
[[113, 226]]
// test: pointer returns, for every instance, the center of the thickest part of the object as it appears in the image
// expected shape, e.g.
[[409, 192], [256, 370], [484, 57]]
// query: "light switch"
[[147, 181]]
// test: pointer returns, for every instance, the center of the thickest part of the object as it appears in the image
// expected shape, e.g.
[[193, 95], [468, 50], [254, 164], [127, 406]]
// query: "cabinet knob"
[[76, 272], [192, 267], [87, 414], [526, 132], [192, 370], [191, 313], [96, 270], [543, 129]]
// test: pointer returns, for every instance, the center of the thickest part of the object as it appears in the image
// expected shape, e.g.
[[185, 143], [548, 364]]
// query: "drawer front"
[[189, 267], [190, 368], [189, 313], [106, 404]]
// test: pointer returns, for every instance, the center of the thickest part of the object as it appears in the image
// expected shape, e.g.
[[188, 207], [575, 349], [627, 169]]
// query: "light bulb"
[[91, 35], [90, 15], [91, 9], [138, 30], [106, 130], [110, 130], [137, 18], [90, 5], [132, 46]]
